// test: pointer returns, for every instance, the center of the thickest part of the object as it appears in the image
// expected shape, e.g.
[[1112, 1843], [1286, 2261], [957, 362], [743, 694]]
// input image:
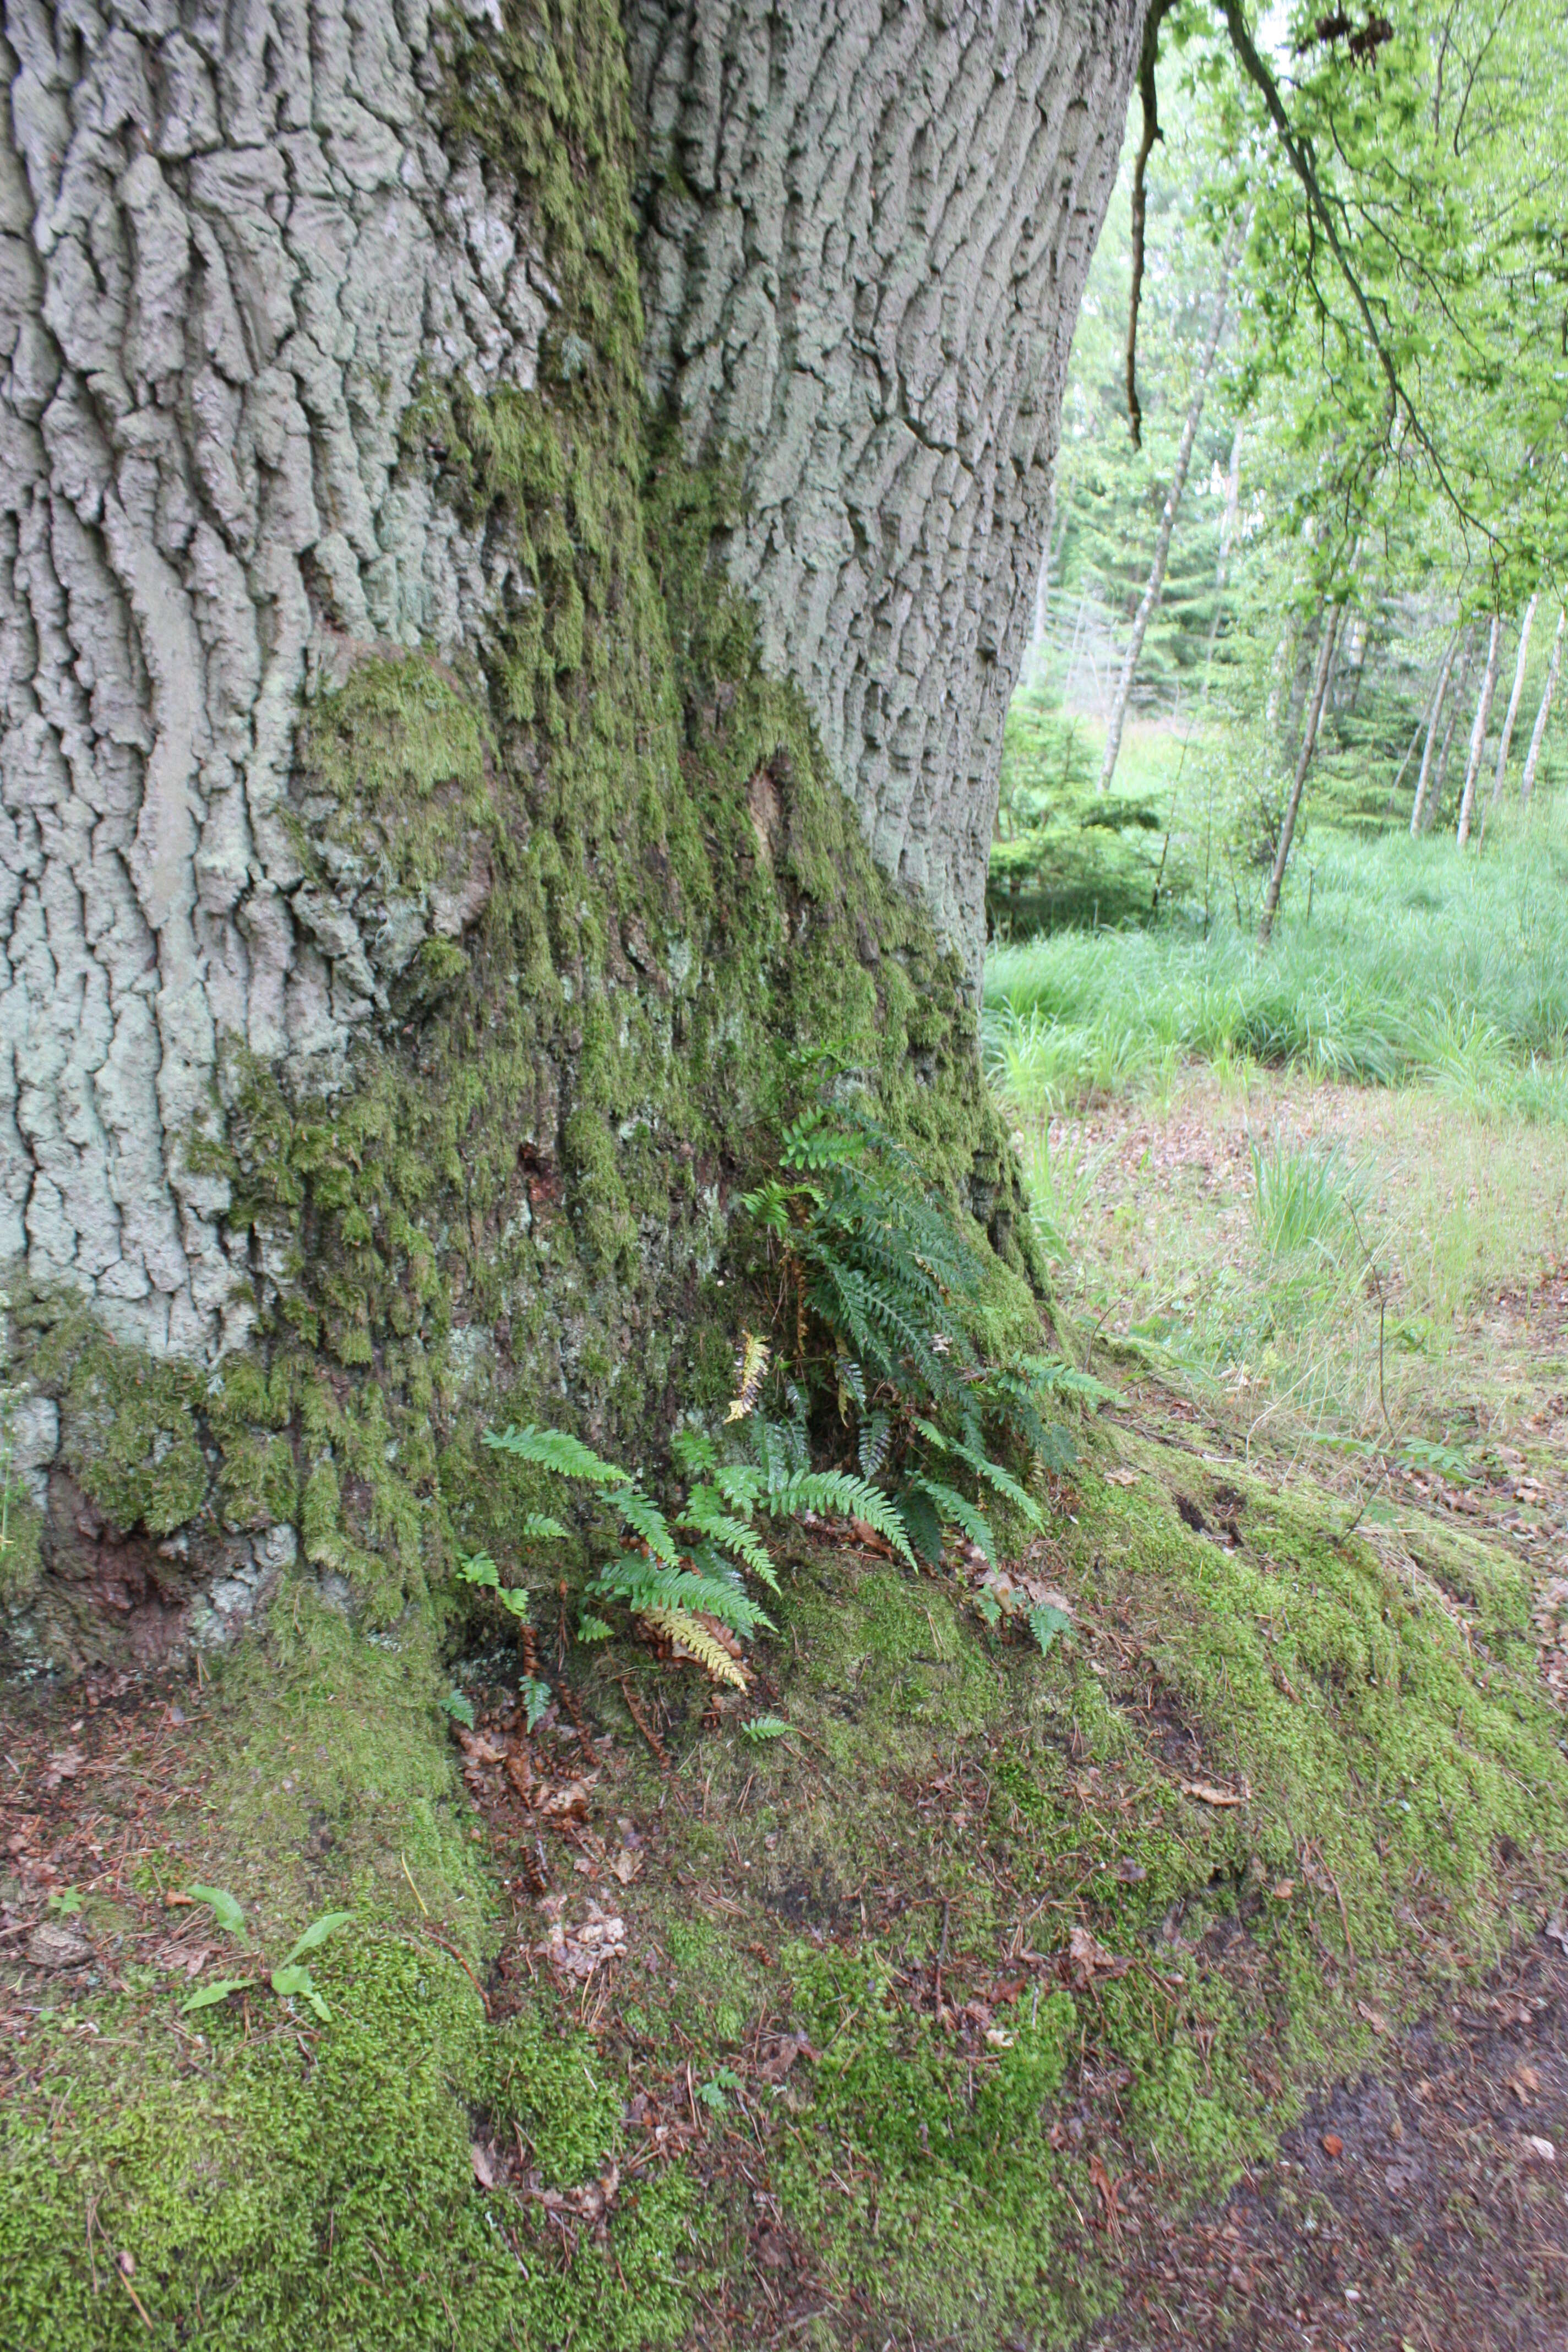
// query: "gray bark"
[[1149, 603], [868, 231], [1538, 735], [1456, 705], [1507, 737], [231, 242], [1331, 630], [1478, 729], [1226, 539], [1418, 809]]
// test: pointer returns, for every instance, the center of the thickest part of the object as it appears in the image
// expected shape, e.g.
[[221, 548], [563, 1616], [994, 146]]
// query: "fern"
[[539, 1528], [705, 1516], [837, 1492], [888, 1299], [1001, 1480], [708, 1651], [955, 1509], [552, 1449], [643, 1587], [646, 1520]]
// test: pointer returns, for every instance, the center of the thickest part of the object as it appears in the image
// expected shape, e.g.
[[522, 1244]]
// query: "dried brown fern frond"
[[689, 1637]]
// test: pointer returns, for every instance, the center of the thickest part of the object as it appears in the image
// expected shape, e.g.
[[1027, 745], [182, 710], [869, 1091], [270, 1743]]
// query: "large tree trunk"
[[417, 849]]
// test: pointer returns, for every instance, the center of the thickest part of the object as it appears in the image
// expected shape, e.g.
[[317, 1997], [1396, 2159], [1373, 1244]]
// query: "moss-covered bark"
[[621, 919]]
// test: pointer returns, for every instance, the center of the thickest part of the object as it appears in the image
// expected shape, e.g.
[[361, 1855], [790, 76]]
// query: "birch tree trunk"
[[1227, 537], [1331, 619], [1456, 707], [1478, 729], [1537, 735], [517, 530], [1149, 603], [1435, 715], [1512, 713]]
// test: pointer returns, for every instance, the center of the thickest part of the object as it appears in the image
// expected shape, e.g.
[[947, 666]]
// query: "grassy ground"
[[1409, 960]]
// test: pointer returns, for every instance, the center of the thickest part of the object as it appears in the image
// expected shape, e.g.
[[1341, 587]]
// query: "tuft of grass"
[[1301, 1201]]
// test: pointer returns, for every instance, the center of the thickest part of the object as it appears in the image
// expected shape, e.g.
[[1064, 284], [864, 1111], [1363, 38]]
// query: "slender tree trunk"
[[1226, 535], [1502, 749], [1455, 708], [1302, 675], [1304, 762], [1281, 670], [1478, 729], [1151, 594], [1434, 713], [1537, 737]]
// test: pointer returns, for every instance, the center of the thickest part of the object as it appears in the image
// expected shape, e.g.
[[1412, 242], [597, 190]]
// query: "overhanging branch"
[[1150, 95]]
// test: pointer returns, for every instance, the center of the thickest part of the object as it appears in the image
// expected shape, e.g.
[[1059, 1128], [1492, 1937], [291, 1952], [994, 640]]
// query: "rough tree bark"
[[454, 472], [1150, 601], [1478, 729], [1538, 734], [1330, 629]]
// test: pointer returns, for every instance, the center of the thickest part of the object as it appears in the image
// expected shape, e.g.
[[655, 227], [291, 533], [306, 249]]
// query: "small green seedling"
[[288, 1980], [1045, 1623], [224, 1907], [765, 1727], [714, 2095], [66, 1904]]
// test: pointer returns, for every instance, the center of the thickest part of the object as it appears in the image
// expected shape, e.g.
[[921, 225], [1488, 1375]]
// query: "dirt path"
[[1424, 2212]]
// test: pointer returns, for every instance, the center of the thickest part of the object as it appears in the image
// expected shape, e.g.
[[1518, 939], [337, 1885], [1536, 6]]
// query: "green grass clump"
[[1418, 962]]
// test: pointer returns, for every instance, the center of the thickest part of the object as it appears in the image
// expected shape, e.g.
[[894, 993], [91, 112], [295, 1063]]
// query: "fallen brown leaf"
[[1208, 1795], [1332, 2144]]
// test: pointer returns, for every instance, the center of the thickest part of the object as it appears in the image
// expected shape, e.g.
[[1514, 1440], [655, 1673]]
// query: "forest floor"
[[1415, 1355], [1203, 1981]]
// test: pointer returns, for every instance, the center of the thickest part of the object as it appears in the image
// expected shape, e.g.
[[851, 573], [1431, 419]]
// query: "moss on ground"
[[946, 1798]]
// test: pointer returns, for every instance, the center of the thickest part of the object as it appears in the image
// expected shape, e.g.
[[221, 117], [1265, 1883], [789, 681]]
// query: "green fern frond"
[[958, 1511], [1002, 1481], [838, 1491], [694, 1451], [739, 1484], [552, 1449], [876, 1438], [641, 1587], [705, 1516], [646, 1520], [539, 1528]]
